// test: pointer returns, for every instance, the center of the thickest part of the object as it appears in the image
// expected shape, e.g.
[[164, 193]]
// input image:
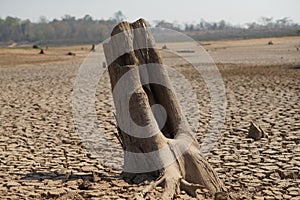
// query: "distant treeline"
[[266, 27], [69, 30]]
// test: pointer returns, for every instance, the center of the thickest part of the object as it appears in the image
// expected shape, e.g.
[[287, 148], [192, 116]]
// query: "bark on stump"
[[170, 154]]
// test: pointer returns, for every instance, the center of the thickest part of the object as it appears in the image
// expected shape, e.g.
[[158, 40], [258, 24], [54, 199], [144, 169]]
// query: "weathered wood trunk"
[[156, 139]]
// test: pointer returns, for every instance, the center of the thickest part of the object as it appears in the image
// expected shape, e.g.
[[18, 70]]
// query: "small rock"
[[182, 192], [84, 185], [255, 132], [164, 47], [71, 53], [96, 178]]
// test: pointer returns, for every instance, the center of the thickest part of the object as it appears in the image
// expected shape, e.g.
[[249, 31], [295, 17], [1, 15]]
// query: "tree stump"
[[93, 49], [155, 136]]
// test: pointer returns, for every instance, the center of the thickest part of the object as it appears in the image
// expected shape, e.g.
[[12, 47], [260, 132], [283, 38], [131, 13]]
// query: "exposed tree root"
[[175, 178], [173, 185]]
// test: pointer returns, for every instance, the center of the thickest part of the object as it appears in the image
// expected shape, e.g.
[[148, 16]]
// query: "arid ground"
[[42, 155]]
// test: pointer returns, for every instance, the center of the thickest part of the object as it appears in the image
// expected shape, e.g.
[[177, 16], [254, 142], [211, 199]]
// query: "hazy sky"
[[234, 11]]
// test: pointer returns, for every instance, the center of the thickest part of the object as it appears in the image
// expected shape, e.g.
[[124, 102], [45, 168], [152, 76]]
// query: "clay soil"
[[42, 155]]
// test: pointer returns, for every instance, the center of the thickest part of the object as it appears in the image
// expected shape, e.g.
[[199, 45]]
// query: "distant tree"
[[165, 24], [68, 18], [10, 28], [119, 16], [214, 26], [222, 25], [87, 18], [202, 24], [283, 22], [267, 21], [176, 26], [43, 20], [25, 28], [252, 25]]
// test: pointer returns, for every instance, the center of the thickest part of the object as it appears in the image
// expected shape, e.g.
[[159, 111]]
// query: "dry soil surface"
[[43, 156]]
